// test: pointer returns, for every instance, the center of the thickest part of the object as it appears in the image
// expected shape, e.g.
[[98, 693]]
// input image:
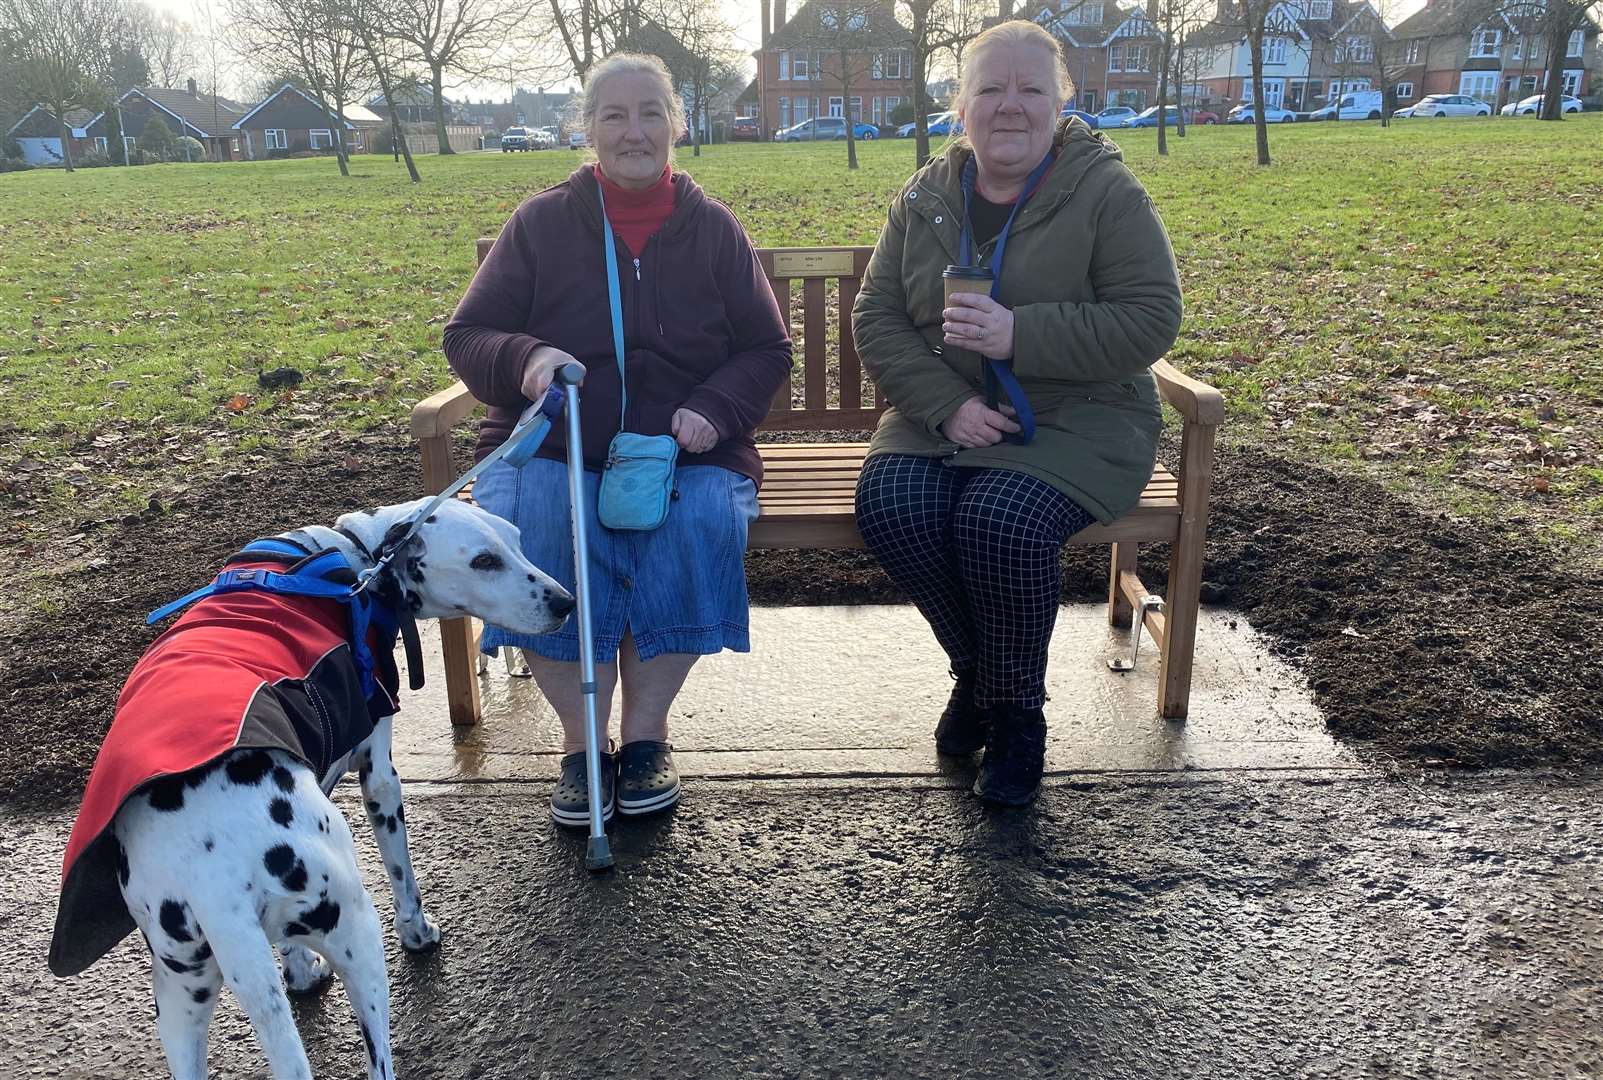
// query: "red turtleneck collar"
[[637, 215]]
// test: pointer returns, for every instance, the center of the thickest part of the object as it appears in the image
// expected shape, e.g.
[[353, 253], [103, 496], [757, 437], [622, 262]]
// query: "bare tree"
[[853, 33], [588, 30], [457, 36], [701, 55], [937, 26], [1563, 18], [168, 44], [1254, 20], [63, 51], [370, 23], [314, 34]]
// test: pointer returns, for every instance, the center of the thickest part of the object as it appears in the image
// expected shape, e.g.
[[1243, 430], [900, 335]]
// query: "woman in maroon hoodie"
[[705, 351]]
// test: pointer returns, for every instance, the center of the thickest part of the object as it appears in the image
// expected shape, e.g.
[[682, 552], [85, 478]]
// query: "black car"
[[516, 138]]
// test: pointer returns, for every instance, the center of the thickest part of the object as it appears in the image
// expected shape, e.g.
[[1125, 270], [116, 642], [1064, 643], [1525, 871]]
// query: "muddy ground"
[[1426, 640]]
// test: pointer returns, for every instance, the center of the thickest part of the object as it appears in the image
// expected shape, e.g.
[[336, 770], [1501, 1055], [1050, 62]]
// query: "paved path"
[[1198, 904]]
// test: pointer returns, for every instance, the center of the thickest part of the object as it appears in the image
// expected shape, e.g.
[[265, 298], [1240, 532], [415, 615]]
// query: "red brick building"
[[799, 65], [1445, 49]]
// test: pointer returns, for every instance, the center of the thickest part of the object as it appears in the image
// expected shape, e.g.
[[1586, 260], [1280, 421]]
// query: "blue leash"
[[999, 373]]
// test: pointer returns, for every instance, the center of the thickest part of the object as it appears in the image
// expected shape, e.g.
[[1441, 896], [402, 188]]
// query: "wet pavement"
[[1180, 903]]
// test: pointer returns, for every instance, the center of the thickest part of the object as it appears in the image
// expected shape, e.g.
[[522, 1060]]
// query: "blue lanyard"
[[610, 243], [999, 377]]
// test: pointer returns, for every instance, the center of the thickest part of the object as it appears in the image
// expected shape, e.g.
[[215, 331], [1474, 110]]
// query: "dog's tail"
[[250, 968]]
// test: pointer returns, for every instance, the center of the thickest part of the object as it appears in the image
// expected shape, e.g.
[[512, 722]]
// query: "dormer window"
[[1486, 43], [1318, 9]]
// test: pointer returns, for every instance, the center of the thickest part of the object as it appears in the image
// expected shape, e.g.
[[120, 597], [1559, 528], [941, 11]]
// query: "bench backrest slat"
[[822, 368]]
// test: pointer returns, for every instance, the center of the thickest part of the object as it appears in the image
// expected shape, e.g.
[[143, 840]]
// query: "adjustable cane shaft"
[[598, 853]]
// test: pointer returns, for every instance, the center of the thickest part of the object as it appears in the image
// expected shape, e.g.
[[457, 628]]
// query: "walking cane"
[[598, 854]]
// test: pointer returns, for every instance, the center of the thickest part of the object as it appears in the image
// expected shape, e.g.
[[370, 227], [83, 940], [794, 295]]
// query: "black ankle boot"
[[963, 725], [1015, 756]]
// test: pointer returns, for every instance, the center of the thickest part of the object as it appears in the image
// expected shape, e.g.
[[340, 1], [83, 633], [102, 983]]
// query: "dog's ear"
[[375, 526]]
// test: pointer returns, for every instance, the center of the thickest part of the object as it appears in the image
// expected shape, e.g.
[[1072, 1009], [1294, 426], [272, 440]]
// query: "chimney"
[[768, 22], [779, 15], [192, 89]]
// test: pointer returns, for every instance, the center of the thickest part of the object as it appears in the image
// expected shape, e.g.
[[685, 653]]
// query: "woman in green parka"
[[965, 508]]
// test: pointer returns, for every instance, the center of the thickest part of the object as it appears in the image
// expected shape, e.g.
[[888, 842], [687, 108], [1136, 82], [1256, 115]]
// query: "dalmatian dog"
[[219, 865]]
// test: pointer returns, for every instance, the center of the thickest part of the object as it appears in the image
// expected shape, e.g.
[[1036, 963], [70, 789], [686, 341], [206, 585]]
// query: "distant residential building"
[[186, 113], [289, 121], [798, 74], [38, 134], [1454, 48]]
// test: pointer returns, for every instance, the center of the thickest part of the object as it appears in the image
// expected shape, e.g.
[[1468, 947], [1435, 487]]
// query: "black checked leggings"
[[978, 551]]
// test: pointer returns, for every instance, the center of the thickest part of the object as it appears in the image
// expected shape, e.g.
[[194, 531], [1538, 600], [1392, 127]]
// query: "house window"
[[1479, 84], [1274, 92], [1415, 47], [1358, 50], [1319, 9], [879, 104], [1274, 51], [1404, 91], [276, 139], [798, 66], [798, 110], [1084, 13], [784, 112], [1486, 43], [826, 19], [856, 20], [877, 67], [891, 104], [1115, 57], [784, 66], [834, 106], [1138, 58], [857, 110], [128, 144], [1577, 42], [321, 138], [1572, 83], [101, 144]]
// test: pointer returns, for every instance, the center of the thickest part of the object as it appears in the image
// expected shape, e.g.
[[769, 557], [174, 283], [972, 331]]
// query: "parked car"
[[1272, 114], [824, 127], [578, 140], [906, 130], [744, 129], [1446, 105], [1358, 105], [1110, 116], [1149, 118], [516, 138], [1533, 105], [1089, 118]]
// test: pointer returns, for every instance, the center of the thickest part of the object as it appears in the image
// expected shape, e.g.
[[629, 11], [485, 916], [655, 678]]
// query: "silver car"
[[1437, 105]]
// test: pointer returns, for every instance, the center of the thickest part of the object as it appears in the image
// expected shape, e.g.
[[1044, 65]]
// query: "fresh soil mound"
[[1424, 639]]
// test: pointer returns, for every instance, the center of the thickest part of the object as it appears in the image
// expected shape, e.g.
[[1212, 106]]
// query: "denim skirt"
[[678, 588]]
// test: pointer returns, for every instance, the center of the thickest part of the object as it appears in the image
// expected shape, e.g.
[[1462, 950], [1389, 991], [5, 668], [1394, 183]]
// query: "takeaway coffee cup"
[[964, 279]]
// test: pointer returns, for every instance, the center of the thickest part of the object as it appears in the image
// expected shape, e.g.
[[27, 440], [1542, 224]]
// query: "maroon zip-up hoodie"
[[701, 328]]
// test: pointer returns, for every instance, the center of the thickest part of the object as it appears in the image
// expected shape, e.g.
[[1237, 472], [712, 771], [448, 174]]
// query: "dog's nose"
[[561, 605]]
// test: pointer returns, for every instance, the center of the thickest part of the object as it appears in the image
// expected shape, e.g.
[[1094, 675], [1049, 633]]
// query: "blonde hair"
[[1014, 32], [631, 64]]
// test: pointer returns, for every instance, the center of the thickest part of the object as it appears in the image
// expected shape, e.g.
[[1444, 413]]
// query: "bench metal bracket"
[[1148, 602]]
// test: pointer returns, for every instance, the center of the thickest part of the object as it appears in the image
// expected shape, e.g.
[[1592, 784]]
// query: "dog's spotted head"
[[462, 561]]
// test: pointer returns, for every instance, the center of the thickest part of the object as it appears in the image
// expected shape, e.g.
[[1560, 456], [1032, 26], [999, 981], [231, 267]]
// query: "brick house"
[[208, 120], [1445, 50], [1313, 50], [289, 121], [38, 135], [1112, 53], [799, 73]]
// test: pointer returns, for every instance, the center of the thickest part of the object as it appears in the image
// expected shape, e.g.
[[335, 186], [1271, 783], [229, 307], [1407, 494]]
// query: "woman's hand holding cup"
[[541, 368], [976, 424], [975, 322]]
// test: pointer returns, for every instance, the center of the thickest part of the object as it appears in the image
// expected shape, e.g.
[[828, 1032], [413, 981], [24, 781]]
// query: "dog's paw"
[[418, 934], [305, 972]]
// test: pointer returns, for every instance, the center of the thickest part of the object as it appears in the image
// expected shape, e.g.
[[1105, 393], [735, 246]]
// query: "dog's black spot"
[[247, 769], [202, 954], [295, 929], [396, 872], [365, 766], [533, 578], [488, 561], [325, 916], [200, 996], [400, 814], [348, 955], [372, 1052], [177, 967], [281, 811], [389, 823], [431, 519], [414, 602], [122, 863], [167, 794], [372, 806], [210, 843], [196, 777], [372, 512], [173, 921], [282, 862], [284, 779]]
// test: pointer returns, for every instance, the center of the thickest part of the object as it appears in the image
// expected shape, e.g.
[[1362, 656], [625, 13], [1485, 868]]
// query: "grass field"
[[1423, 303]]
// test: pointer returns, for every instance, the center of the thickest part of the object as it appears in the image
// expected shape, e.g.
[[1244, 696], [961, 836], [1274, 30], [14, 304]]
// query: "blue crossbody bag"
[[637, 482]]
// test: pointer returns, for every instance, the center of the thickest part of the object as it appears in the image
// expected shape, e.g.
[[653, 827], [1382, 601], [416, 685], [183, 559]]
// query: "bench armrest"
[[438, 413], [1195, 400]]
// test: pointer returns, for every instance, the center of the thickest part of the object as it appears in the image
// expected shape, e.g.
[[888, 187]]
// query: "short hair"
[[1014, 32], [632, 64]]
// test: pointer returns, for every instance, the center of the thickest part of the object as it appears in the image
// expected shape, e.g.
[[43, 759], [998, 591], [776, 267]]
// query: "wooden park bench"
[[807, 491]]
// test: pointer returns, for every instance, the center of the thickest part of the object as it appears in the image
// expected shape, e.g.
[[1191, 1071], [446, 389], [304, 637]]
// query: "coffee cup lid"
[[978, 273]]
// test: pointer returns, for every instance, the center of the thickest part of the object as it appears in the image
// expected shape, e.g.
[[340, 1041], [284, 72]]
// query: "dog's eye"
[[487, 560]]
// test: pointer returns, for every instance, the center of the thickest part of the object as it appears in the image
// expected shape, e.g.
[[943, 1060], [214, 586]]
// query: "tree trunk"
[[1553, 95], [339, 139], [921, 133], [1259, 123], [1163, 97], [436, 84], [695, 120], [846, 108], [66, 137], [395, 109], [1180, 88]]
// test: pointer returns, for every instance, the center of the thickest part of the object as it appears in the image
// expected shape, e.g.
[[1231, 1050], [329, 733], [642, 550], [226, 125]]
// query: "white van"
[[1353, 105]]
